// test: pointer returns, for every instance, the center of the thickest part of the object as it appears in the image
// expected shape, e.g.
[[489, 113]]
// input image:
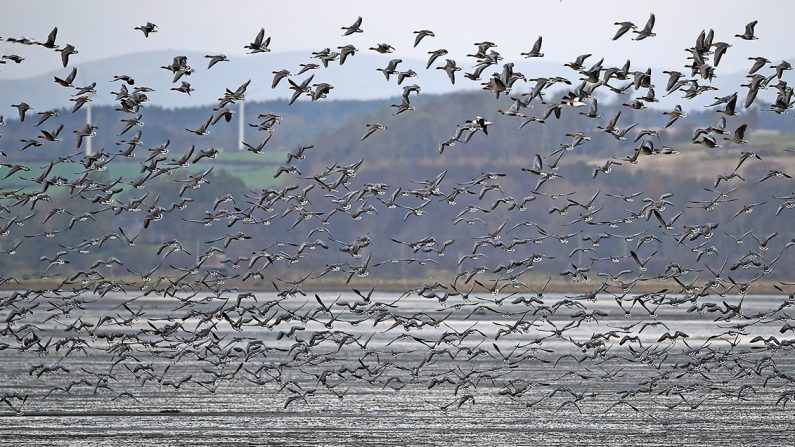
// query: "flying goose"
[[450, 68], [646, 31], [535, 51], [214, 59], [355, 28], [749, 32], [147, 29], [623, 27], [260, 43], [372, 128], [421, 35]]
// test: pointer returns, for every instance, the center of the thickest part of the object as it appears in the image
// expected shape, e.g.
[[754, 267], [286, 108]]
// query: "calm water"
[[221, 404]]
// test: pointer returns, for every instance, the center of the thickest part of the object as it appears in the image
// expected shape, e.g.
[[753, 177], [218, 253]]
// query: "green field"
[[782, 140], [267, 157], [257, 178], [256, 171]]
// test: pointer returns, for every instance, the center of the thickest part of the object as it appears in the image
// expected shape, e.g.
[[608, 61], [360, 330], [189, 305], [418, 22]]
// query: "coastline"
[[556, 285]]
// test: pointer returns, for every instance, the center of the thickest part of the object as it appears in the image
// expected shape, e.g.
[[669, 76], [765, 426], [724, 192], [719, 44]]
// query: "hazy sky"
[[101, 29]]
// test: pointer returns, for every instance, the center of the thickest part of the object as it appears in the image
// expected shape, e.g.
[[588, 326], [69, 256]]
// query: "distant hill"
[[406, 154], [301, 123], [336, 126], [357, 79], [349, 83]]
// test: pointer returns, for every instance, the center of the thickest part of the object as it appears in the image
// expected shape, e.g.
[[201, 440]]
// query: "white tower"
[[241, 125], [89, 149]]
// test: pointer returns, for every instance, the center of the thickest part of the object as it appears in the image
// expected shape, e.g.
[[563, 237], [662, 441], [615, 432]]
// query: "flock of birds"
[[302, 343]]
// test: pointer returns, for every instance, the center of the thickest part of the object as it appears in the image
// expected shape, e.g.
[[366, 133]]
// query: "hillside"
[[357, 79]]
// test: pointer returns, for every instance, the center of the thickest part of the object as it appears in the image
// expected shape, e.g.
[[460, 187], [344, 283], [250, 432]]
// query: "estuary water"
[[258, 383]]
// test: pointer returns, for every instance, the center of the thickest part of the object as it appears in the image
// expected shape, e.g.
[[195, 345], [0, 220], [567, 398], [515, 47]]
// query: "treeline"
[[404, 156], [300, 123]]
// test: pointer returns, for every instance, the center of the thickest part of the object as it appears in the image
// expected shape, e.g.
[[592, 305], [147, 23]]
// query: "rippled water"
[[236, 410]]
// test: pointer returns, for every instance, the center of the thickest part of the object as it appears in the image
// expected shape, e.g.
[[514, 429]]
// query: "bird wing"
[[537, 46], [51, 36], [649, 24], [749, 29], [369, 132]]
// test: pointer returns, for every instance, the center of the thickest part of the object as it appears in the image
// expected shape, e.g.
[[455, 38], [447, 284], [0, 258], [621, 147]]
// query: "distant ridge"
[[43, 94]]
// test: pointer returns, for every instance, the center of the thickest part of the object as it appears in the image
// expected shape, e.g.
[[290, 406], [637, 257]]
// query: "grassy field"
[[258, 177], [253, 169], [266, 157], [698, 162], [782, 140], [339, 284]]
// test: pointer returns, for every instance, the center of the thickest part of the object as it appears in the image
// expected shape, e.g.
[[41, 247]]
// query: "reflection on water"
[[491, 367]]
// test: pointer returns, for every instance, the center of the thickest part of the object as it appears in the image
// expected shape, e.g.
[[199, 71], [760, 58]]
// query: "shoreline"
[[132, 284]]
